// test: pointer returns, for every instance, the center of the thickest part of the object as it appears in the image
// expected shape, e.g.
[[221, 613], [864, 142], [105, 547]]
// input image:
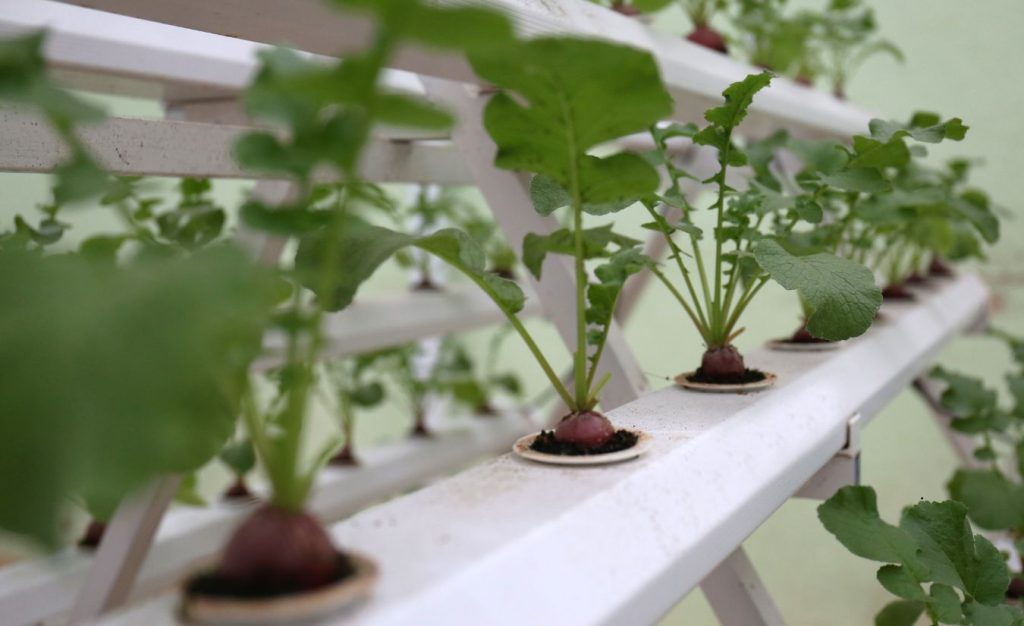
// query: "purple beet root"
[[419, 429], [723, 363], [238, 491], [802, 335], [280, 548], [897, 291], [805, 80], [1016, 589], [704, 35], [588, 429], [626, 9], [917, 278], [344, 457], [93, 534], [939, 268]]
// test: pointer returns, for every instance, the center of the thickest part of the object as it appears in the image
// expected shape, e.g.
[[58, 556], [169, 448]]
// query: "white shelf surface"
[[84, 43], [146, 147], [39, 589], [511, 542], [373, 323]]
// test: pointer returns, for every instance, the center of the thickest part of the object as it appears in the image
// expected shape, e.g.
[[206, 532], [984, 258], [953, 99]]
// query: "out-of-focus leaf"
[[115, 375]]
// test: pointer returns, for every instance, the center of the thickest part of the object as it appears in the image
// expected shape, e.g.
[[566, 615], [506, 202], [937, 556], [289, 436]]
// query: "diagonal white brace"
[[737, 595], [123, 549]]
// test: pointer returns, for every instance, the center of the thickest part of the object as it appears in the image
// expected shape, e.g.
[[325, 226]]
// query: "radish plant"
[[845, 38], [770, 39], [750, 245], [327, 111], [934, 564], [889, 211], [240, 458], [992, 490], [550, 111]]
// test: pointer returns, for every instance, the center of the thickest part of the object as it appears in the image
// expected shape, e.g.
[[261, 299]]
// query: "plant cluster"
[[934, 564]]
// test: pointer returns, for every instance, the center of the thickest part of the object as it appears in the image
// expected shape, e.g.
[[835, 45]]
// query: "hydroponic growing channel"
[[598, 501]]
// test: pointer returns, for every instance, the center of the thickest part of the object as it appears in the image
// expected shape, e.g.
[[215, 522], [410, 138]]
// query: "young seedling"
[[459, 377], [934, 564], [891, 212], [701, 13], [328, 110], [567, 85], [992, 490], [845, 36], [356, 385], [240, 458], [770, 39], [750, 239]]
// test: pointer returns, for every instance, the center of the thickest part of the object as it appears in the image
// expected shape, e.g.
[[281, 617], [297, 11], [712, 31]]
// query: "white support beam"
[[695, 76], [149, 147], [43, 590], [737, 595], [382, 322], [124, 547]]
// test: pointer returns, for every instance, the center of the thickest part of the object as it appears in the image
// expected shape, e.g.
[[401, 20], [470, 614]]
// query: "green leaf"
[[952, 555], [945, 603], [363, 247], [923, 129], [964, 396], [284, 220], [879, 154], [548, 196], [188, 492], [368, 395], [463, 28], [982, 615], [899, 582], [858, 179], [239, 456], [403, 110], [595, 245], [134, 371], [841, 293], [900, 613], [738, 98], [992, 501], [973, 206], [852, 516], [564, 89]]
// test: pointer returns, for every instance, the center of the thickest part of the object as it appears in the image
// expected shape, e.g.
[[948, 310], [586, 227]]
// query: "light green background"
[[964, 59]]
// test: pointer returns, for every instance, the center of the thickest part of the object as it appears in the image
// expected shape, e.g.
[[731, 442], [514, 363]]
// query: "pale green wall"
[[963, 59]]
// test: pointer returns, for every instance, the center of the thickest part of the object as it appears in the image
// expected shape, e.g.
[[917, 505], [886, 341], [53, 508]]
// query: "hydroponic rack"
[[491, 540]]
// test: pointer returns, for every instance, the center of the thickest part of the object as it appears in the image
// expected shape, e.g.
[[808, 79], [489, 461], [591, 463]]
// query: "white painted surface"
[[141, 147], [510, 542], [37, 590], [695, 76]]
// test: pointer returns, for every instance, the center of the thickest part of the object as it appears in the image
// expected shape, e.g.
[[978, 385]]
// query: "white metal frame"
[[196, 55]]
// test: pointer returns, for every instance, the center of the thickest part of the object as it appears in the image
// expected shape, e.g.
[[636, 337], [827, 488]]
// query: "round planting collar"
[[522, 449]]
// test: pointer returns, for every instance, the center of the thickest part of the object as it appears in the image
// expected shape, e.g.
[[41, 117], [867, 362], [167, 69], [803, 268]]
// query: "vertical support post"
[[508, 196], [737, 595], [123, 549]]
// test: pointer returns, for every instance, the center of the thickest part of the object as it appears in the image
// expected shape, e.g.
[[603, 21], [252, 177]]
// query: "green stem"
[[702, 328], [676, 255], [744, 301], [718, 314]]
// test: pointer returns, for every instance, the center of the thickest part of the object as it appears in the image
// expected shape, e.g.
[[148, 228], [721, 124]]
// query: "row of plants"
[[826, 44], [936, 565], [92, 320]]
